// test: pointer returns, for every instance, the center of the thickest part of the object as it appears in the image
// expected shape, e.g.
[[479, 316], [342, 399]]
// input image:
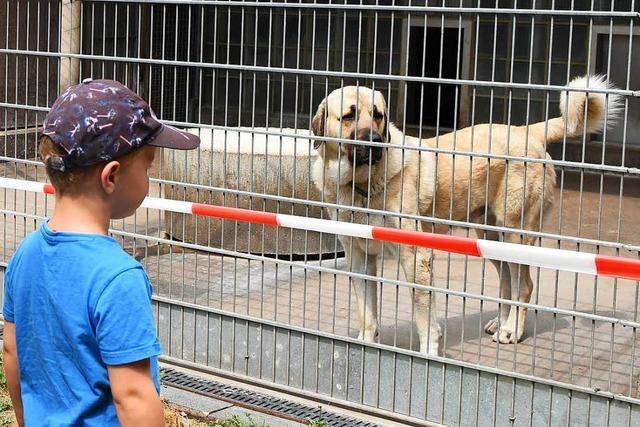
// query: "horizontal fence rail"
[[319, 72], [392, 8]]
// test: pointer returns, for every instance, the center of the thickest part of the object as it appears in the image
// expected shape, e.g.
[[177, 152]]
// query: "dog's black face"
[[365, 154], [357, 114]]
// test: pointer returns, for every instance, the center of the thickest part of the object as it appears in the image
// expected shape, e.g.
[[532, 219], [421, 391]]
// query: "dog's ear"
[[317, 124]]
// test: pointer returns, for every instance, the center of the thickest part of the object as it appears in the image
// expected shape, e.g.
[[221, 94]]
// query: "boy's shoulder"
[[102, 256], [26, 248], [93, 264], [84, 252]]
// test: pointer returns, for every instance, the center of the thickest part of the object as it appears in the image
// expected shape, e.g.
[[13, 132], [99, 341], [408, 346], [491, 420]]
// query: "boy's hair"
[[69, 181]]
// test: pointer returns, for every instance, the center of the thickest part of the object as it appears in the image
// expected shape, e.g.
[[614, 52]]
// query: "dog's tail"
[[600, 108]]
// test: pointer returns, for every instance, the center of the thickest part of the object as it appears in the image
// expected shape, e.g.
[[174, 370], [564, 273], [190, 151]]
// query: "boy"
[[80, 345]]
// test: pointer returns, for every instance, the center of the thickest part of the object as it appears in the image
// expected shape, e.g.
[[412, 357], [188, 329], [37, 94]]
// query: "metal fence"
[[276, 307]]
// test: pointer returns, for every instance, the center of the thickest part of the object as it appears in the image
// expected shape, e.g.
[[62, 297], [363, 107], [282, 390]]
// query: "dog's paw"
[[492, 326], [507, 336], [431, 344], [432, 349]]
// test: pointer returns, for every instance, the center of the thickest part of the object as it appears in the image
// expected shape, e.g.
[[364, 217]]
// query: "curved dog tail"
[[600, 107]]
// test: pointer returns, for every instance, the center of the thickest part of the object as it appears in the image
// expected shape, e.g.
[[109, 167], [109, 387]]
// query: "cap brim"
[[170, 137]]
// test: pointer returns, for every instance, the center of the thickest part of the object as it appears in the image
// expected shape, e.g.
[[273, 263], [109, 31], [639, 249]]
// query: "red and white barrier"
[[558, 259]]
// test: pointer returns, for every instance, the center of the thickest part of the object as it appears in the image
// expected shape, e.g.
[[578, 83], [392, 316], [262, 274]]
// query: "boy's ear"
[[108, 176]]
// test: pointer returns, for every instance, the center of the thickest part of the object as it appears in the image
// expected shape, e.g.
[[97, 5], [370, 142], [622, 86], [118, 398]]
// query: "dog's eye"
[[378, 115], [348, 117]]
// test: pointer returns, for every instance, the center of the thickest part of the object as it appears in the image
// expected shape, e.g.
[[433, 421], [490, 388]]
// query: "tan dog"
[[508, 194]]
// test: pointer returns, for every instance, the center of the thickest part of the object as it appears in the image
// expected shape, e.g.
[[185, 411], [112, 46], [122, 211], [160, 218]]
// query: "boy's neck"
[[80, 214]]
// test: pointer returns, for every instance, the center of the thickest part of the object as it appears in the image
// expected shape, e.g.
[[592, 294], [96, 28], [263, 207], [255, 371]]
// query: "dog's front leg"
[[416, 263], [365, 292]]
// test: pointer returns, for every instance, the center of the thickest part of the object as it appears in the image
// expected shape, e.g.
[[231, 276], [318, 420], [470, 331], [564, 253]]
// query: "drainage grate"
[[255, 401]]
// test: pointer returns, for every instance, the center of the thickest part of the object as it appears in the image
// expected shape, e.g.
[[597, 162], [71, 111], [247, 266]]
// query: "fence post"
[[69, 43]]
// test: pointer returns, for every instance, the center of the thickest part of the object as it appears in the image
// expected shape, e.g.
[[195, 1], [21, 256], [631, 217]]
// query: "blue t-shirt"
[[79, 303]]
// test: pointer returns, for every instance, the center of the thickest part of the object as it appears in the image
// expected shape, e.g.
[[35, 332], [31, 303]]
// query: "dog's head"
[[356, 113]]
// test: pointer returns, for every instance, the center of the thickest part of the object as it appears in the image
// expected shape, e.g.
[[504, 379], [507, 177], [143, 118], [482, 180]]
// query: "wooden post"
[[69, 43]]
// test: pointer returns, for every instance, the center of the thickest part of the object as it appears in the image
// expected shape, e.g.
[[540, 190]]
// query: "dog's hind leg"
[[416, 263], [521, 287], [366, 293], [504, 275], [540, 197], [515, 285], [505, 292]]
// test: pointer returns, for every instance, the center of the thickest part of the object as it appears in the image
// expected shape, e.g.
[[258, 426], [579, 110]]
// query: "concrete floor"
[[574, 350]]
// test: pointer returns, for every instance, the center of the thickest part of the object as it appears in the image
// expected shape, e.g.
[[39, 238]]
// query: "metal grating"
[[255, 401]]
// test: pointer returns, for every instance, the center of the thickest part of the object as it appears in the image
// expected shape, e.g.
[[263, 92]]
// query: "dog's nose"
[[372, 136], [363, 154]]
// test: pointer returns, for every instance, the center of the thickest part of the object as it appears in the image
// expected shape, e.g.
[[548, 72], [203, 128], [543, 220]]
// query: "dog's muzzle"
[[366, 154]]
